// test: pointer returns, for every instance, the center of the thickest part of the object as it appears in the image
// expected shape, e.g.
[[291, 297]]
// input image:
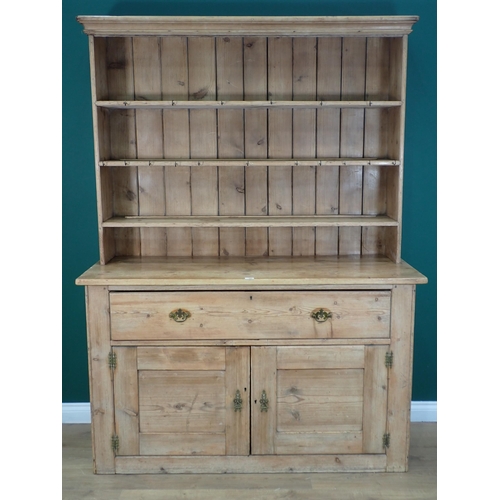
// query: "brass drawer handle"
[[264, 402], [237, 402], [321, 315], [180, 315]]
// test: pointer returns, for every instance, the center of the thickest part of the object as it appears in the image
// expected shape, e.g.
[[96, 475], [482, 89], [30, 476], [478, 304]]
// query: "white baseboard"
[[79, 413]]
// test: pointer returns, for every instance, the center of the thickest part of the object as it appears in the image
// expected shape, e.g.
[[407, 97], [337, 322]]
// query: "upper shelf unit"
[[246, 123]]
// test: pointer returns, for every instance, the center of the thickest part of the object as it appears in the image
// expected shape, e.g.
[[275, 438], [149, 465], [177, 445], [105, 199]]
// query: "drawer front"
[[249, 315]]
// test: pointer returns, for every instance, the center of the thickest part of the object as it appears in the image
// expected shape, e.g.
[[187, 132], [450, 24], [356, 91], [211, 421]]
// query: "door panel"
[[180, 400], [320, 400]]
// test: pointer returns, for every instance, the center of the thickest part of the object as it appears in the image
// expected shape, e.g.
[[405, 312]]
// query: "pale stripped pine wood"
[[298, 358], [180, 358], [352, 122], [174, 82], [126, 400], [236, 25], [280, 86], [279, 273], [375, 142], [236, 315], [235, 104], [147, 85], [319, 401], [231, 141], [263, 423], [182, 401], [182, 443], [101, 394], [203, 141], [304, 141], [237, 422], [398, 56], [400, 377], [120, 77], [328, 141], [104, 178], [256, 189], [374, 399]]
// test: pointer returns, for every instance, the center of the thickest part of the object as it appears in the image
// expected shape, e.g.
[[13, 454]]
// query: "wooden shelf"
[[167, 104], [246, 162], [252, 221]]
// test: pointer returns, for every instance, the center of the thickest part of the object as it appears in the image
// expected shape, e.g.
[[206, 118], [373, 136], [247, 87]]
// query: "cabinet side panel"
[[304, 142], [255, 89], [174, 81], [328, 141], [203, 141], [400, 377], [280, 86], [101, 383], [229, 52], [352, 137]]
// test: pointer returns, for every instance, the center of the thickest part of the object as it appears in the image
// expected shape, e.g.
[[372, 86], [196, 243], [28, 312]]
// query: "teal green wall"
[[79, 222]]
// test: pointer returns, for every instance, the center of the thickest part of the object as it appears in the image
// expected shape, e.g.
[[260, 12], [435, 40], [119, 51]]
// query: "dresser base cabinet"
[[230, 404]]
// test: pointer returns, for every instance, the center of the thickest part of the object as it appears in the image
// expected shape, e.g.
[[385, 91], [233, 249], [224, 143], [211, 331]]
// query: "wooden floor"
[[78, 481]]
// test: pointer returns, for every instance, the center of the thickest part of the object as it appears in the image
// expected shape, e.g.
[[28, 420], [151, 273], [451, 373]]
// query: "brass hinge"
[[386, 440], [389, 357], [112, 360], [115, 443]]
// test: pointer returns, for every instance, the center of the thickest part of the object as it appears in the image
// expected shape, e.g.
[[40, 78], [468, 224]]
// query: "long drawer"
[[249, 315]]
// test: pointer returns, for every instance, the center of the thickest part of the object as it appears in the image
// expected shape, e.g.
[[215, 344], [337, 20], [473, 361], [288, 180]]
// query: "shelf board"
[[246, 162], [251, 221], [244, 104]]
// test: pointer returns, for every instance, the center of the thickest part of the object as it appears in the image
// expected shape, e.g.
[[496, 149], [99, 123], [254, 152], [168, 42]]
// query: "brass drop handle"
[[237, 401], [180, 315], [321, 315], [264, 402]]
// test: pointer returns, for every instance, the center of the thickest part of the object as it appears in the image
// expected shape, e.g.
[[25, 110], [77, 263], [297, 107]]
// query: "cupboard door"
[[181, 400], [318, 400]]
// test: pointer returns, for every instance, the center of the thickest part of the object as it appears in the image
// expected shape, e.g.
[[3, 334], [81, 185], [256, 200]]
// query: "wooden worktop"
[[251, 272]]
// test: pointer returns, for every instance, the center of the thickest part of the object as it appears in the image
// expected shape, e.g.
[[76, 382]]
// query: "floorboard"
[[79, 483]]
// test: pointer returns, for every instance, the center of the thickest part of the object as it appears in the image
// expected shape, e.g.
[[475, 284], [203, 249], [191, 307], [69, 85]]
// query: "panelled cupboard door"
[[318, 400], [174, 401]]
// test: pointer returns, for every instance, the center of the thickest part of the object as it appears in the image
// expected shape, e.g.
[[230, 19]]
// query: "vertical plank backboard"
[[255, 88], [203, 142], [304, 141], [101, 394], [328, 141], [400, 377], [375, 146], [263, 423], [149, 125], [120, 67], [174, 85], [238, 379], [231, 143], [280, 87], [351, 143], [126, 394]]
